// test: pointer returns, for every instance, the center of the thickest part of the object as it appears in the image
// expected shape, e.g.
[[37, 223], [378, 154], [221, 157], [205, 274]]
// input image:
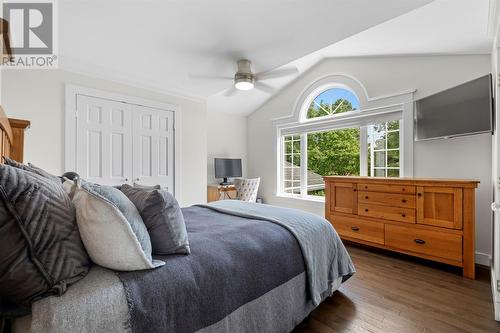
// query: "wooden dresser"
[[428, 218]]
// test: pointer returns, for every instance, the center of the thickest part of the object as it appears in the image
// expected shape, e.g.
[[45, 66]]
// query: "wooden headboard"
[[12, 136]]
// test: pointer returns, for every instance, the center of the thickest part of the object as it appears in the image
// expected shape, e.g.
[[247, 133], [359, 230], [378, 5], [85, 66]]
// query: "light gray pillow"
[[111, 228], [163, 218]]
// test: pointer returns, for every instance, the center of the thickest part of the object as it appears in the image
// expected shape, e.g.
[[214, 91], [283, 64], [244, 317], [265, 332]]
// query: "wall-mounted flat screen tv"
[[462, 110]]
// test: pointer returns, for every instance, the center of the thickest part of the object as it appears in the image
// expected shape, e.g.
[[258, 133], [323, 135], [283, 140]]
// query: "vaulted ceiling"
[[158, 44]]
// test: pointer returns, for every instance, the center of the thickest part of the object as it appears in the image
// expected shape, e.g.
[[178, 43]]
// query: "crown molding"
[[78, 67]]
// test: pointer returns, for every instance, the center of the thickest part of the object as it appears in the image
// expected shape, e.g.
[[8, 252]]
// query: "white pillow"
[[111, 240]]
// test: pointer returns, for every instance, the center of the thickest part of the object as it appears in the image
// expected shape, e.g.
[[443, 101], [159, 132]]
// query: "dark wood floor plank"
[[400, 294]]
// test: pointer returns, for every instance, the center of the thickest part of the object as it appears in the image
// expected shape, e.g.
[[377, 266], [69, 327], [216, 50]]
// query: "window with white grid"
[[384, 149], [291, 164]]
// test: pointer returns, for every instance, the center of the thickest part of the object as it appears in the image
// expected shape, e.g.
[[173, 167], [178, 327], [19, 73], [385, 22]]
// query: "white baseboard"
[[496, 294], [483, 259]]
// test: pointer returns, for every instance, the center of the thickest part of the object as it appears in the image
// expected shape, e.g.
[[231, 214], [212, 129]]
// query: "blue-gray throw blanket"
[[234, 260], [324, 254]]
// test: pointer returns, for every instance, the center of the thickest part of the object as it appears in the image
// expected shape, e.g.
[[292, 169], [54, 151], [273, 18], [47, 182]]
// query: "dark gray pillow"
[[41, 252], [32, 168], [163, 218], [147, 187]]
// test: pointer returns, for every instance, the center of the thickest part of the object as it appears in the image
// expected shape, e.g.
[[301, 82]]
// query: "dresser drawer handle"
[[403, 215], [354, 190], [366, 187], [354, 228], [404, 200], [403, 189], [366, 209], [366, 197], [419, 241], [419, 194]]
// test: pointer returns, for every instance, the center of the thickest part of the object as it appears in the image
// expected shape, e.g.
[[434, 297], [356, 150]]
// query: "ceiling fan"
[[245, 79]]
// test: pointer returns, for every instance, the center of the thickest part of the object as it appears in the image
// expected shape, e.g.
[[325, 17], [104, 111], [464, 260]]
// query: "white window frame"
[[386, 150], [372, 110]]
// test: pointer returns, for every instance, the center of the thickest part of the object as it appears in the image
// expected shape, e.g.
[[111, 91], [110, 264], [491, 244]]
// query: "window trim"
[[319, 92], [397, 106]]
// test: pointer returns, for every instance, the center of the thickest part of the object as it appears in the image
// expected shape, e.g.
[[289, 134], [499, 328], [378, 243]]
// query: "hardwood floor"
[[397, 293]]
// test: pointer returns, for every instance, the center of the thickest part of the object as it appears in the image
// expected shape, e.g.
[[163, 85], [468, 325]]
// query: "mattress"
[[98, 304]]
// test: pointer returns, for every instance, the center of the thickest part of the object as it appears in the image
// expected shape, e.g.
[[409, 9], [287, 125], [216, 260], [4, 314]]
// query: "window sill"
[[301, 199]]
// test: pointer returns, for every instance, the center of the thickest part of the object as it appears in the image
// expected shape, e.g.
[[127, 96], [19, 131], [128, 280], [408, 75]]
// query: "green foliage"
[[318, 193], [333, 152]]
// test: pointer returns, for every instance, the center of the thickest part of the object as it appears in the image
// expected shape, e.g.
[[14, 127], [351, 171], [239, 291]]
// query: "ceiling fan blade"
[[277, 73], [230, 91], [209, 77], [264, 87]]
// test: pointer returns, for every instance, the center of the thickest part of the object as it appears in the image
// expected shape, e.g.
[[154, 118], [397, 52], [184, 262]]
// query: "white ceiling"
[[156, 44]]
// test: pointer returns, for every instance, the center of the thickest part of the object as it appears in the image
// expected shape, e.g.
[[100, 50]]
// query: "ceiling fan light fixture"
[[244, 78], [244, 81], [244, 85]]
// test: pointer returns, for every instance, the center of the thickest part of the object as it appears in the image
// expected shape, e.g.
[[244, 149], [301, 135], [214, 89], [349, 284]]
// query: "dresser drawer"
[[429, 242], [387, 199], [387, 188], [359, 229], [400, 214]]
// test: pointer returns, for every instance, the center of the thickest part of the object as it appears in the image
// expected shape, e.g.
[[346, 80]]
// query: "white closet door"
[[153, 138], [104, 140]]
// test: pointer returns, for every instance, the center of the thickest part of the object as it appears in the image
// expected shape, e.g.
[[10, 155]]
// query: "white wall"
[[463, 157], [226, 138], [38, 95], [466, 157]]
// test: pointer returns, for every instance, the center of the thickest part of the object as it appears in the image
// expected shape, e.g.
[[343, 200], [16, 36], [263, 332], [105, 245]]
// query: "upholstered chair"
[[246, 189]]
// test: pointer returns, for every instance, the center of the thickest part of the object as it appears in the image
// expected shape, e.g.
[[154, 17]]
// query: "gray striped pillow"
[[32, 168], [41, 252]]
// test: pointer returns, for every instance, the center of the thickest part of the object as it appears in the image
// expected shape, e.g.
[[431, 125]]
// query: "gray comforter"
[[233, 261], [237, 256], [324, 254]]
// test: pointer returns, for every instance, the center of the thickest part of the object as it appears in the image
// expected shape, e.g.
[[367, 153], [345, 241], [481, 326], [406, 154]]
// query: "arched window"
[[331, 102], [337, 130]]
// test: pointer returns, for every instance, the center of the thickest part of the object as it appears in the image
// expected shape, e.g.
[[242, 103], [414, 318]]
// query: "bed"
[[252, 268]]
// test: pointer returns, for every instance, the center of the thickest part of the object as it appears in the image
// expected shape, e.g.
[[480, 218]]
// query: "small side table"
[[220, 192]]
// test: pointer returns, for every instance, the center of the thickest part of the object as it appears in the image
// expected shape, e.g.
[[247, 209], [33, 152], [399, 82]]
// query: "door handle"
[[419, 241]]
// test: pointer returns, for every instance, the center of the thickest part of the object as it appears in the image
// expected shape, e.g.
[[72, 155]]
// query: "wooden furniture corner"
[[12, 136], [220, 192], [19, 126]]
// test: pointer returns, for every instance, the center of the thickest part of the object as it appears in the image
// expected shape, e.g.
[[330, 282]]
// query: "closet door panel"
[[104, 140], [153, 137]]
